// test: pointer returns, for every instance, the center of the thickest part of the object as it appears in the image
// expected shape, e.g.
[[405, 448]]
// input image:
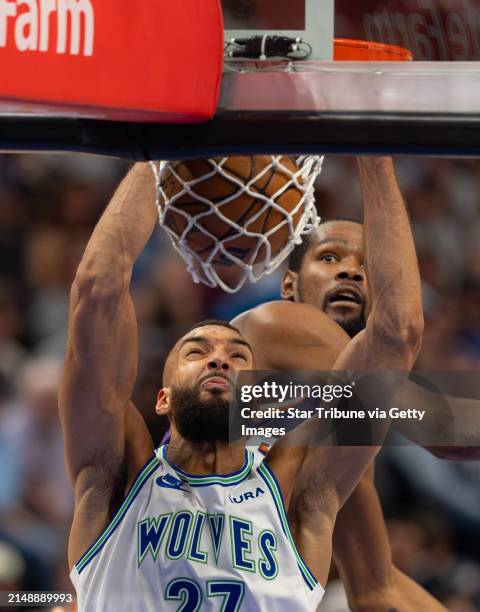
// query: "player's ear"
[[163, 401], [289, 285]]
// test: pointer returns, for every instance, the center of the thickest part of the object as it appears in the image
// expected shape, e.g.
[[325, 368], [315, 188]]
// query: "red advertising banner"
[[431, 29], [142, 60]]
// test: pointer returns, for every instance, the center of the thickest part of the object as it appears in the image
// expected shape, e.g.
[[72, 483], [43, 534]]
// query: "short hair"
[[215, 323], [300, 250]]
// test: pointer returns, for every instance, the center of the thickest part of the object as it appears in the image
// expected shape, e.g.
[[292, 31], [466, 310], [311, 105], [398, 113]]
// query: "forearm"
[[363, 556], [102, 345], [124, 228], [360, 542], [402, 595], [390, 258], [450, 427]]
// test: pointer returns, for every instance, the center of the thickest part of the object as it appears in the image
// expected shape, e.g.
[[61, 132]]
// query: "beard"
[[352, 325], [200, 421]]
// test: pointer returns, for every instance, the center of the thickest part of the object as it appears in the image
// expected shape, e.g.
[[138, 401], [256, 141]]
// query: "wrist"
[[375, 163]]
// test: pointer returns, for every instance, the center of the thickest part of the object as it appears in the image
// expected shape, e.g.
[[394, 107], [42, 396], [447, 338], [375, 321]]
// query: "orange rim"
[[351, 50]]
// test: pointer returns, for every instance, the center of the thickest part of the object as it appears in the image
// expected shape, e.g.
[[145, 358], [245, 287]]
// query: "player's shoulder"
[[271, 312], [280, 316]]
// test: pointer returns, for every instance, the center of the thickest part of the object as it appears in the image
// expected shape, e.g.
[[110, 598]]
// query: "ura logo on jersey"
[[243, 497], [170, 482]]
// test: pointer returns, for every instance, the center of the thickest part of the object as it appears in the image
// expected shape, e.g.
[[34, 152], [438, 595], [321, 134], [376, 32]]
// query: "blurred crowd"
[[48, 208]]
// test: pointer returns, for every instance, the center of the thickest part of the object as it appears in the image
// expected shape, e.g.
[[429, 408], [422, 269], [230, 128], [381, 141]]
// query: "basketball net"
[[202, 269]]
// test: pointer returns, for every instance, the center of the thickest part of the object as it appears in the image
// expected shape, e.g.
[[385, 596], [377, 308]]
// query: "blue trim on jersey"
[[223, 480], [308, 576], [142, 477]]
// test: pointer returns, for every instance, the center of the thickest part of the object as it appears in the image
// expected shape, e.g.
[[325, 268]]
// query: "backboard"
[[314, 104]]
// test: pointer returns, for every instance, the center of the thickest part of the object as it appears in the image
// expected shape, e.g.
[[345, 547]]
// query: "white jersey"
[[186, 543]]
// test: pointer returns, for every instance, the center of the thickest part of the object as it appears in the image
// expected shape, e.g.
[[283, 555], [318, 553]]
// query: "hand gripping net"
[[202, 268]]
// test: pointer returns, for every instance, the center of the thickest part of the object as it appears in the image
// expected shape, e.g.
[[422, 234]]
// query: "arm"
[[390, 341], [362, 566], [362, 553], [450, 428], [392, 337], [101, 360]]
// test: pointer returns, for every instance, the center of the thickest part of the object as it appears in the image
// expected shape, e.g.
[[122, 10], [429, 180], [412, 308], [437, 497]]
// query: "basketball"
[[251, 213]]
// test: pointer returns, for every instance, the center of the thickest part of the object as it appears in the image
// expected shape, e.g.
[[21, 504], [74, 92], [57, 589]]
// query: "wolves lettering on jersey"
[[197, 539], [179, 544]]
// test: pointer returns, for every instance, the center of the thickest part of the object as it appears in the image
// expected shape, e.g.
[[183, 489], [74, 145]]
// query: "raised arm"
[[392, 337], [101, 360], [390, 341]]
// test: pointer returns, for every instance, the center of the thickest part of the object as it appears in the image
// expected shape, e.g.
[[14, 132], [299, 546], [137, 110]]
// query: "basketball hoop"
[[351, 50], [203, 261], [262, 259], [296, 57]]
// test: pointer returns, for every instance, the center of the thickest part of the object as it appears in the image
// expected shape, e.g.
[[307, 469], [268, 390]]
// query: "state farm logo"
[[31, 25]]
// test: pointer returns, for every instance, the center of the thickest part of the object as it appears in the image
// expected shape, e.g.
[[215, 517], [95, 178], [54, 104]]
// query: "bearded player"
[[174, 542]]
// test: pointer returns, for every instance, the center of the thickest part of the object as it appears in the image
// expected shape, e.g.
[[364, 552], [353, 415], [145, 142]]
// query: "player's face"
[[203, 383], [332, 276], [210, 358]]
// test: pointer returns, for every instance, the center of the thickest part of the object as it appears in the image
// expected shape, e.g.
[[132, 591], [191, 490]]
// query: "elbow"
[[401, 333], [411, 336], [97, 290]]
